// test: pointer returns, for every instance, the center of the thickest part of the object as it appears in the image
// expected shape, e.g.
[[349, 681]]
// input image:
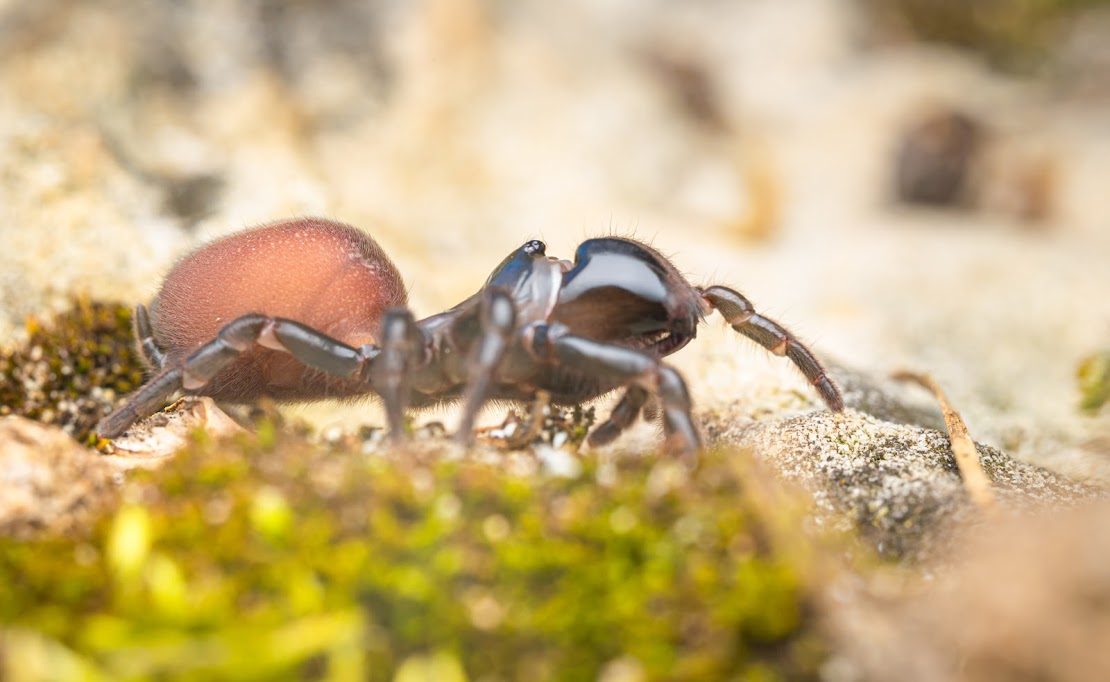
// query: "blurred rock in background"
[[934, 159]]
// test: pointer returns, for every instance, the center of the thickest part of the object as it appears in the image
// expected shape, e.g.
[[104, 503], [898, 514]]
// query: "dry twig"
[[963, 448]]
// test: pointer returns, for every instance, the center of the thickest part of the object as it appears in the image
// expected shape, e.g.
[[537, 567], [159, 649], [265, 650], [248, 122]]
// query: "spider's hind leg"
[[143, 403], [311, 347], [739, 312], [144, 338]]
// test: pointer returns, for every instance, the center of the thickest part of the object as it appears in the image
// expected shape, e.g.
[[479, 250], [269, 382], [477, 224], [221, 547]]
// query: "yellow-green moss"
[[73, 368], [1013, 34], [296, 561], [1094, 381]]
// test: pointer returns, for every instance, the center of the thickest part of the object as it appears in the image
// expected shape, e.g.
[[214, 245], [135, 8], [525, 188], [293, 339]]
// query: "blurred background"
[[906, 183]]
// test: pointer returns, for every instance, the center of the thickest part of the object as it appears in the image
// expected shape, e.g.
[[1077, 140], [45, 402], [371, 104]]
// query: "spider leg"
[[307, 345], [150, 351], [143, 403], [498, 318], [402, 347], [637, 369], [534, 425], [622, 416], [739, 312]]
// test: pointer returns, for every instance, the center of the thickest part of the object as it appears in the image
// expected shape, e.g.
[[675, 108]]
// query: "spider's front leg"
[[309, 346], [739, 312], [641, 372]]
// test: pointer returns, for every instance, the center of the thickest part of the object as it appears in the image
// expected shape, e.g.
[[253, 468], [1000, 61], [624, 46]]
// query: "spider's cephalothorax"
[[310, 309]]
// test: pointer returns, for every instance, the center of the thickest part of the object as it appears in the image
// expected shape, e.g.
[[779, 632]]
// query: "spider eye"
[[534, 247]]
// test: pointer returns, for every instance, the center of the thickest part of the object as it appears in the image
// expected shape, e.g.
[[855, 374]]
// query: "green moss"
[[73, 368], [1013, 34], [1094, 382], [290, 560]]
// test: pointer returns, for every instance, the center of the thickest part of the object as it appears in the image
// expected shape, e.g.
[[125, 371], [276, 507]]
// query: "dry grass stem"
[[963, 448]]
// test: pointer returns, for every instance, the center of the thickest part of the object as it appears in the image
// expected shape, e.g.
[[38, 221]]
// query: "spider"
[[308, 309]]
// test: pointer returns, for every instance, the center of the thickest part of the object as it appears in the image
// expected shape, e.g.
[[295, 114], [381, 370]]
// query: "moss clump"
[[285, 560], [1013, 34], [1094, 382], [72, 369]]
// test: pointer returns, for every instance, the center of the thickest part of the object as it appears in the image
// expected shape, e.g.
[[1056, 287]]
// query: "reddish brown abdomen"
[[327, 275]]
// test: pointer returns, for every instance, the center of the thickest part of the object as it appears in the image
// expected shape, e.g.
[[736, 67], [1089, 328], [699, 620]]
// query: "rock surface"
[[895, 484], [48, 483], [158, 437]]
